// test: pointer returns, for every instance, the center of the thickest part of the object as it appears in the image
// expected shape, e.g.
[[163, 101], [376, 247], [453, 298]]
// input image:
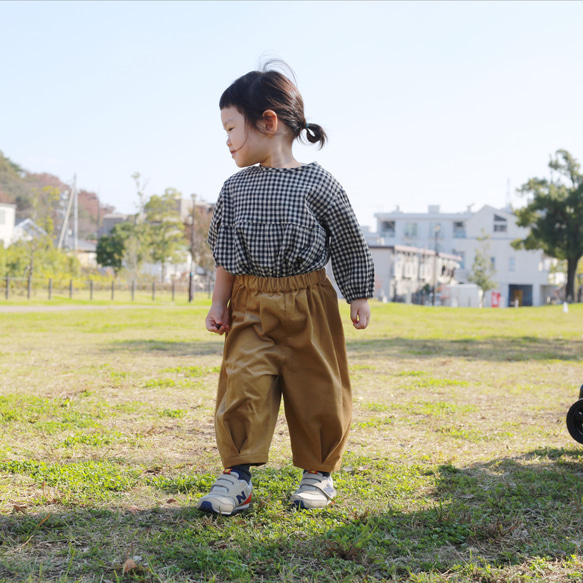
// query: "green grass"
[[459, 467]]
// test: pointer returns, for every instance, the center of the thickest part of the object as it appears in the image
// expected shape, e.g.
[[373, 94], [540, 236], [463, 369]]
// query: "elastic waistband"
[[280, 284]]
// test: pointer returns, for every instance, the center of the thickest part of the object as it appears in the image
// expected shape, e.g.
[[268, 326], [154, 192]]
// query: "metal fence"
[[48, 289]]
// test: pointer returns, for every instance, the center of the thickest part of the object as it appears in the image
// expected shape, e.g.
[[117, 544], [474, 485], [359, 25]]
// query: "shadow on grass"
[[163, 347], [493, 348], [498, 514]]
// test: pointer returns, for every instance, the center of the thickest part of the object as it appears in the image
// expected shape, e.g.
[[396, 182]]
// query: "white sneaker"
[[228, 495], [315, 491]]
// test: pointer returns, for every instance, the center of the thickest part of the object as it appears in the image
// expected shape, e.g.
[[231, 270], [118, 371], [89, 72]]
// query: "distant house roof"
[[119, 216], [82, 245], [27, 229]]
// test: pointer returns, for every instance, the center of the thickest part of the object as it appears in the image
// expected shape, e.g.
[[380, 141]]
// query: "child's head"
[[260, 91]]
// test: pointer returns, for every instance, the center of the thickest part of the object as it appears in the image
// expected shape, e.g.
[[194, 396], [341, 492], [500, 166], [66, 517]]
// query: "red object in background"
[[496, 297]]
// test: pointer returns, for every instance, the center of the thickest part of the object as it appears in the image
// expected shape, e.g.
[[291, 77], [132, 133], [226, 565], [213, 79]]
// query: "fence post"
[[50, 288], [190, 290], [7, 287], [133, 289], [70, 289], [153, 290], [29, 287], [173, 289], [90, 289]]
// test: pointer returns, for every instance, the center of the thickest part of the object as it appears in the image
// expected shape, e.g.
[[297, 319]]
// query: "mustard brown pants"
[[286, 340]]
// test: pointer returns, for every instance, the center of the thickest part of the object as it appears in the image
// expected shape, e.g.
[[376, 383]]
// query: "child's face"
[[247, 145]]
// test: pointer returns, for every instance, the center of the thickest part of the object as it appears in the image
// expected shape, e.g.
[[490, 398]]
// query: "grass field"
[[459, 465]]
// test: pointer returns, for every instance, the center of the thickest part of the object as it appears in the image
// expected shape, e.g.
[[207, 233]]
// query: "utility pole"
[[72, 196], [192, 242], [75, 221], [436, 229]]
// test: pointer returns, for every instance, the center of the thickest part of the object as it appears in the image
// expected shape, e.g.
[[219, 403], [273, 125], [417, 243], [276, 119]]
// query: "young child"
[[275, 225]]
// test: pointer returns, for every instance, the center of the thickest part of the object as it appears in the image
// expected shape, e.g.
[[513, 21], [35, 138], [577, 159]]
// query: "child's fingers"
[[213, 325], [360, 317], [361, 323]]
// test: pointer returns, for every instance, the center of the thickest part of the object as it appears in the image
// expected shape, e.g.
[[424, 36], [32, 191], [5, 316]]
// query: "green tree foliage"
[[166, 234], [41, 240], [156, 234], [126, 246], [35, 255], [483, 271], [15, 261], [196, 227], [111, 249], [554, 214]]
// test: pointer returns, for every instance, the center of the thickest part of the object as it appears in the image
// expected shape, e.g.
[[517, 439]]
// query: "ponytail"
[[315, 134]]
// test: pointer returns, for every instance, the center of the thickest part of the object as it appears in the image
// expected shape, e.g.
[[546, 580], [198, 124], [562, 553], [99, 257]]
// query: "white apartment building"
[[407, 274], [522, 276], [7, 218]]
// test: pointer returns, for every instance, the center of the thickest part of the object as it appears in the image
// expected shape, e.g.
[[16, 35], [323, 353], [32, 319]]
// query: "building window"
[[459, 230], [493, 262], [410, 229], [500, 224], [388, 228], [511, 263]]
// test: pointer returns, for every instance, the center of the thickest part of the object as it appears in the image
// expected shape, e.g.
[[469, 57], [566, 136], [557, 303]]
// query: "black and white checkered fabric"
[[280, 222]]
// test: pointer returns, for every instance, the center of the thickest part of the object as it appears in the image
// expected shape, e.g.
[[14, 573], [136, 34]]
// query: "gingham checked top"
[[280, 222]]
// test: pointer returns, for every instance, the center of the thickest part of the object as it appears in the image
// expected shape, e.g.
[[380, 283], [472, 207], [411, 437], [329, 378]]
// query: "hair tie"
[[307, 125]]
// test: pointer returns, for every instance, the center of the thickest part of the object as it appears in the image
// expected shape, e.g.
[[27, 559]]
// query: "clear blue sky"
[[424, 102]]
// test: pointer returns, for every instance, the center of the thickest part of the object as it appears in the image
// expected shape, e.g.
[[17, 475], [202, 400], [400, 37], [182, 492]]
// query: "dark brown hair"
[[258, 91]]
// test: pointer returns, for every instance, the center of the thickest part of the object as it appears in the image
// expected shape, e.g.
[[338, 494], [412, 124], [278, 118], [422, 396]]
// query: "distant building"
[[109, 221], [86, 251], [27, 230], [525, 277], [7, 218], [408, 274], [185, 207]]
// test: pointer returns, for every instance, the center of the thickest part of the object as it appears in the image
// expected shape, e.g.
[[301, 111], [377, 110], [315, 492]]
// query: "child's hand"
[[360, 313], [217, 320]]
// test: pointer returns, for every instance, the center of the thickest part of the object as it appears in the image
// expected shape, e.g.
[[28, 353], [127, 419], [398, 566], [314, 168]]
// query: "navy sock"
[[325, 474], [243, 472]]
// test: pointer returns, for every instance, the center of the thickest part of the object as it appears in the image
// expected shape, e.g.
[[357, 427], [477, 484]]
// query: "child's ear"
[[270, 121]]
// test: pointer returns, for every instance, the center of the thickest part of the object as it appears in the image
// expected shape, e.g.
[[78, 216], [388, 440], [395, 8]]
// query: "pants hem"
[[252, 460], [316, 467]]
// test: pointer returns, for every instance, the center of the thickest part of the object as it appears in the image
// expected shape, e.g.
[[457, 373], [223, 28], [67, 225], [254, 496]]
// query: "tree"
[[196, 227], [138, 240], [44, 209], [483, 271], [166, 237], [554, 214], [111, 249], [121, 247]]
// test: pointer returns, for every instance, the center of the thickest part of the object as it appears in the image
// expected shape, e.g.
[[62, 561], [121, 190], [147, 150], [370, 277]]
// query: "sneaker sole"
[[207, 506], [301, 505]]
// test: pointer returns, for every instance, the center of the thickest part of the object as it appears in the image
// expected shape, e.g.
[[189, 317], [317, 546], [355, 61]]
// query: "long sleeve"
[[352, 262]]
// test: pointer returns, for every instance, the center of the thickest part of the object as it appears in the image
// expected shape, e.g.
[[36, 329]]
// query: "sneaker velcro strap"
[[317, 482]]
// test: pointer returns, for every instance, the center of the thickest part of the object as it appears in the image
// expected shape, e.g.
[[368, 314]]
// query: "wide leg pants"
[[286, 340]]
